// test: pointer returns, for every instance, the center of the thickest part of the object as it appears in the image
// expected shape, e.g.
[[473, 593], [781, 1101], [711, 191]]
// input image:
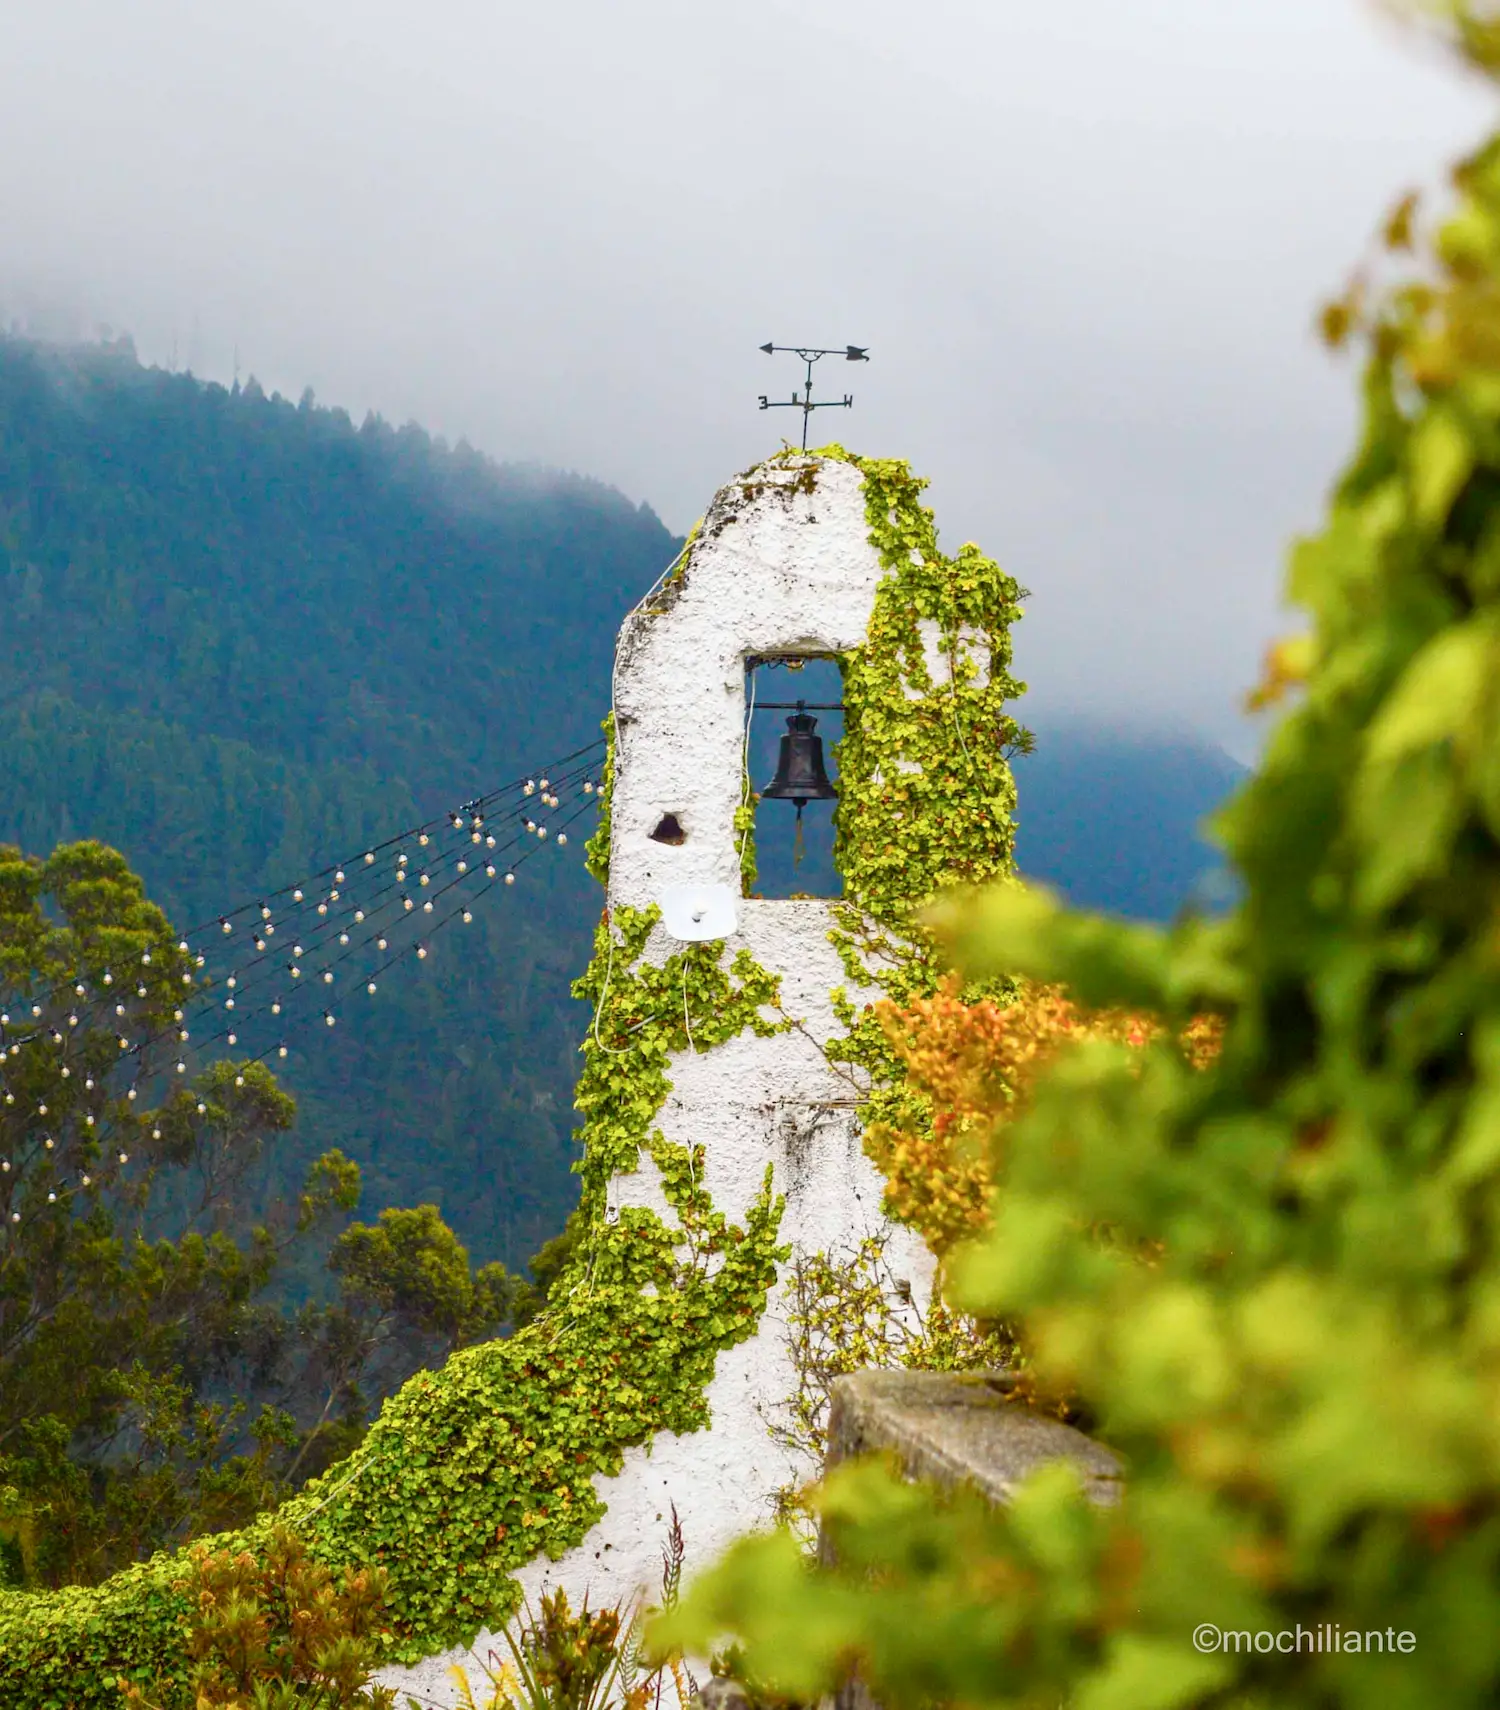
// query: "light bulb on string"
[[225, 924], [407, 903], [371, 988], [234, 1039], [421, 952], [369, 858], [530, 786], [78, 990], [545, 783], [146, 958], [426, 908], [338, 877], [359, 915], [281, 1050], [36, 1009], [423, 840], [239, 1080], [328, 979], [463, 866], [328, 1018], [467, 917], [276, 1009], [109, 978], [202, 1107], [181, 1068], [343, 938], [425, 879], [265, 913], [296, 896], [124, 1157], [562, 837], [510, 878], [119, 1009], [489, 872], [489, 842]]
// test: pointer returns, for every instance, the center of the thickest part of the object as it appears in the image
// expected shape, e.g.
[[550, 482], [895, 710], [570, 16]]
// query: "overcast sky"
[[1083, 239]]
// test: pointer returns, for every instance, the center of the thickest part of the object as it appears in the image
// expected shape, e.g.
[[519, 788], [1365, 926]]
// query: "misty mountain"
[[1115, 822], [243, 637]]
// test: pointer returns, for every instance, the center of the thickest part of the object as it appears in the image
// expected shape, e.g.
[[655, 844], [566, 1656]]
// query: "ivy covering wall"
[[476, 1468]]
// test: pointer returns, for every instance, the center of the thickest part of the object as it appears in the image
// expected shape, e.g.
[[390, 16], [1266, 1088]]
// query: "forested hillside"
[[240, 636]]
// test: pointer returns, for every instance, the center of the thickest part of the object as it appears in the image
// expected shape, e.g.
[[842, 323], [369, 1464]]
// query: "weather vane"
[[850, 353]]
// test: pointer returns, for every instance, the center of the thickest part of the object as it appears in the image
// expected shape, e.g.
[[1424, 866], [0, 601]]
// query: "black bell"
[[800, 774]]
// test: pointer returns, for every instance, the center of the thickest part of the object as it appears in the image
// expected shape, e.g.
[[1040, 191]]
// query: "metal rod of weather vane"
[[850, 353]]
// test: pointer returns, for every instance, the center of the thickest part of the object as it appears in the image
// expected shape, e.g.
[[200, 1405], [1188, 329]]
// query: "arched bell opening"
[[795, 718]]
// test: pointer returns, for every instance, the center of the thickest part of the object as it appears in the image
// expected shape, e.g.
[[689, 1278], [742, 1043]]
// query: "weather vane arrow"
[[850, 353]]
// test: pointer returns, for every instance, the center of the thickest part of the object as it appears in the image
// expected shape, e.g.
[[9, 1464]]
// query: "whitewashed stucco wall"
[[775, 570]]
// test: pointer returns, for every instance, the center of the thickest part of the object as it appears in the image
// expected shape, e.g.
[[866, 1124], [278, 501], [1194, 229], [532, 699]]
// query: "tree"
[[1272, 1282], [152, 1382]]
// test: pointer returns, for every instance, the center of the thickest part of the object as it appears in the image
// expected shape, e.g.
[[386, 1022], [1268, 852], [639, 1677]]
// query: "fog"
[[1084, 242]]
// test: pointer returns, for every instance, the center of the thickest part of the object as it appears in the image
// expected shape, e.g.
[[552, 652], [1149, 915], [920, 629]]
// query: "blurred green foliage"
[[1275, 1283]]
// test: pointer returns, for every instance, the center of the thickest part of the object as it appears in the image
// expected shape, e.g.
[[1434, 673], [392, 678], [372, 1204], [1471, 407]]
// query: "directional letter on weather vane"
[[850, 353]]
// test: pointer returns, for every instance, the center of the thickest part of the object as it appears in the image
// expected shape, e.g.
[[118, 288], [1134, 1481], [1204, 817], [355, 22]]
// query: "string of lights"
[[357, 910], [339, 919], [323, 926], [378, 933], [369, 855]]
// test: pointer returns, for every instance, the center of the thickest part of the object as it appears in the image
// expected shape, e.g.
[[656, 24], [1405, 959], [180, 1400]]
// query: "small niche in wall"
[[669, 830], [783, 868]]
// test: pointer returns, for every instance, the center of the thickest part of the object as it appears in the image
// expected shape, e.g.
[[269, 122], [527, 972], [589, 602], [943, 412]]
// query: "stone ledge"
[[953, 1428], [960, 1428]]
